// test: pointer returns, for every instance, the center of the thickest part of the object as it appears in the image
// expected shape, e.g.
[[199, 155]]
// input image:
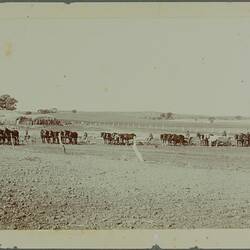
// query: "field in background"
[[140, 122], [145, 122]]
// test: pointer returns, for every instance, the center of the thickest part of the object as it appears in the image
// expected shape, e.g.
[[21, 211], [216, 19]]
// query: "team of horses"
[[9, 136], [206, 140], [214, 140], [242, 139], [199, 139], [224, 140], [173, 139], [56, 137], [118, 138]]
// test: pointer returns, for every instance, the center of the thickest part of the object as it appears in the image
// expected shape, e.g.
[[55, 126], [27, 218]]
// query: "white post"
[[11, 140], [60, 141], [138, 154]]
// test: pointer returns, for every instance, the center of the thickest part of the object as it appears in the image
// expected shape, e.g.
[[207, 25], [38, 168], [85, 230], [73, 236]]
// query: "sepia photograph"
[[112, 119]]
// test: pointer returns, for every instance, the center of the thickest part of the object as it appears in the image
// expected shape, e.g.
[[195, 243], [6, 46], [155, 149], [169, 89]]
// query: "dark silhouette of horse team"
[[9, 136], [65, 137], [173, 139], [199, 139], [207, 139], [243, 139], [118, 138], [47, 122]]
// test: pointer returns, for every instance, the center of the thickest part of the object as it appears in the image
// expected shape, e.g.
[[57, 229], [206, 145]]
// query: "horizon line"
[[122, 111]]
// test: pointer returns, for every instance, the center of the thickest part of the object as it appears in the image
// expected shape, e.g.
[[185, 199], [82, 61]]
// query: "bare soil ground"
[[106, 187]]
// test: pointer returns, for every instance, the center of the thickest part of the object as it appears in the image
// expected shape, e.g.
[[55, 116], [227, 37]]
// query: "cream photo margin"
[[124, 239]]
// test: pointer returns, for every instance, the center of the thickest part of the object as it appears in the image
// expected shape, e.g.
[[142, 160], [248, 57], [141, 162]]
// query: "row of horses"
[[70, 137], [65, 136], [118, 138], [9, 136]]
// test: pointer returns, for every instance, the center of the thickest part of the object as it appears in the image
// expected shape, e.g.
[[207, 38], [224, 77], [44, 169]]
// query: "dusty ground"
[[106, 187]]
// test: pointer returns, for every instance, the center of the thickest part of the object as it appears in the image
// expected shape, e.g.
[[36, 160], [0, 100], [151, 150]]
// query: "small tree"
[[74, 111], [238, 117], [7, 102], [54, 110], [162, 115], [169, 116], [211, 119]]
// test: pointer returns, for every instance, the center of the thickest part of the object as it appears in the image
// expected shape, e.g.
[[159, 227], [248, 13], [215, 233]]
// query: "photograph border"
[[124, 239]]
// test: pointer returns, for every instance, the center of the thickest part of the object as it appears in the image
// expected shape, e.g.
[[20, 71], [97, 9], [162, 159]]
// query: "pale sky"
[[182, 65]]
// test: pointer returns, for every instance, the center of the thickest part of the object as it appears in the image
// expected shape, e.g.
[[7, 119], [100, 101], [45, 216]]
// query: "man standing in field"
[[27, 136], [150, 137]]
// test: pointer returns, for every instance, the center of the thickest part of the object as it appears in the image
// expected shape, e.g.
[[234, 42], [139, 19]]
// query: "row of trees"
[[170, 116]]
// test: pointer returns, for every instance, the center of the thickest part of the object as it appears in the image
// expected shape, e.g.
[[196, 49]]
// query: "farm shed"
[[13, 118], [16, 118], [25, 120]]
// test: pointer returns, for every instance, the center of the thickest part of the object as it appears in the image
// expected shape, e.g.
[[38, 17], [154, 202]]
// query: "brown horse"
[[11, 136], [242, 139], [126, 138], [164, 138], [2, 136], [107, 137], [178, 139], [73, 137]]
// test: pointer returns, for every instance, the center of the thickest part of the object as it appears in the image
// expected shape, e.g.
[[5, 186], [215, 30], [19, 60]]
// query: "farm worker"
[[151, 136], [224, 133], [85, 136], [188, 134], [26, 137]]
